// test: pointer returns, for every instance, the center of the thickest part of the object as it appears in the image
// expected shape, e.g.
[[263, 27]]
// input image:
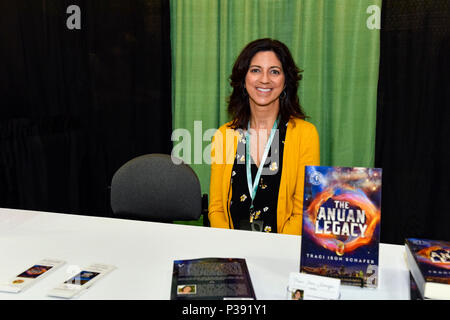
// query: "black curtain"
[[77, 104], [413, 119]]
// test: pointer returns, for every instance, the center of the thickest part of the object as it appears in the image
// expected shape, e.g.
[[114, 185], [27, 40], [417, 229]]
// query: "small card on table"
[[304, 286]]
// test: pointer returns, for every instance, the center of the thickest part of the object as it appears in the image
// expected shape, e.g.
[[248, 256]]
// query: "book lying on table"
[[429, 264], [211, 279], [341, 224], [414, 293]]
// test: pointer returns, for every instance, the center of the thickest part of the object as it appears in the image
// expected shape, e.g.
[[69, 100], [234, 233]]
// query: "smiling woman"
[[264, 81], [260, 185], [264, 63]]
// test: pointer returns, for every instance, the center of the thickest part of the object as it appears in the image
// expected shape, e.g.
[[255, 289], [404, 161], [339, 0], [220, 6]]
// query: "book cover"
[[341, 224], [429, 264], [211, 279]]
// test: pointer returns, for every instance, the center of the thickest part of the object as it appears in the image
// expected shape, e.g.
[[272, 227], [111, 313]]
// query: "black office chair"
[[153, 188]]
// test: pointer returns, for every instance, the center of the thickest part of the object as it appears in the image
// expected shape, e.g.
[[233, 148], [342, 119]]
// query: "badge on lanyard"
[[253, 185]]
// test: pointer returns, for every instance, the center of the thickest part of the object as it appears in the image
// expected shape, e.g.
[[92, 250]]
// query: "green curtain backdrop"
[[329, 39]]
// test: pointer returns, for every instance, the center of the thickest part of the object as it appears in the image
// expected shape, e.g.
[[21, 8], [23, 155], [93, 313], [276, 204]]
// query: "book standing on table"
[[341, 224]]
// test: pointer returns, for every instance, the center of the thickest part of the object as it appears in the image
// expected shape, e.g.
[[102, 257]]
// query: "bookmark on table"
[[36, 272], [81, 281]]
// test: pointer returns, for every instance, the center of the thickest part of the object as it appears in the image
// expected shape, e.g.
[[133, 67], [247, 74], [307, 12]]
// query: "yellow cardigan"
[[301, 147]]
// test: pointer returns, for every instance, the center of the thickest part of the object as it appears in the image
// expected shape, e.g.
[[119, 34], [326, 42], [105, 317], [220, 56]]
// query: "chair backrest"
[[153, 188]]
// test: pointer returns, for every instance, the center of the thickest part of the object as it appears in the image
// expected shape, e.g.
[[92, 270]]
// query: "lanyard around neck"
[[253, 185]]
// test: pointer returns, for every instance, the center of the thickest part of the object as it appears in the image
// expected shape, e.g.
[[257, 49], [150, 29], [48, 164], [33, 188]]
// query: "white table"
[[143, 253]]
